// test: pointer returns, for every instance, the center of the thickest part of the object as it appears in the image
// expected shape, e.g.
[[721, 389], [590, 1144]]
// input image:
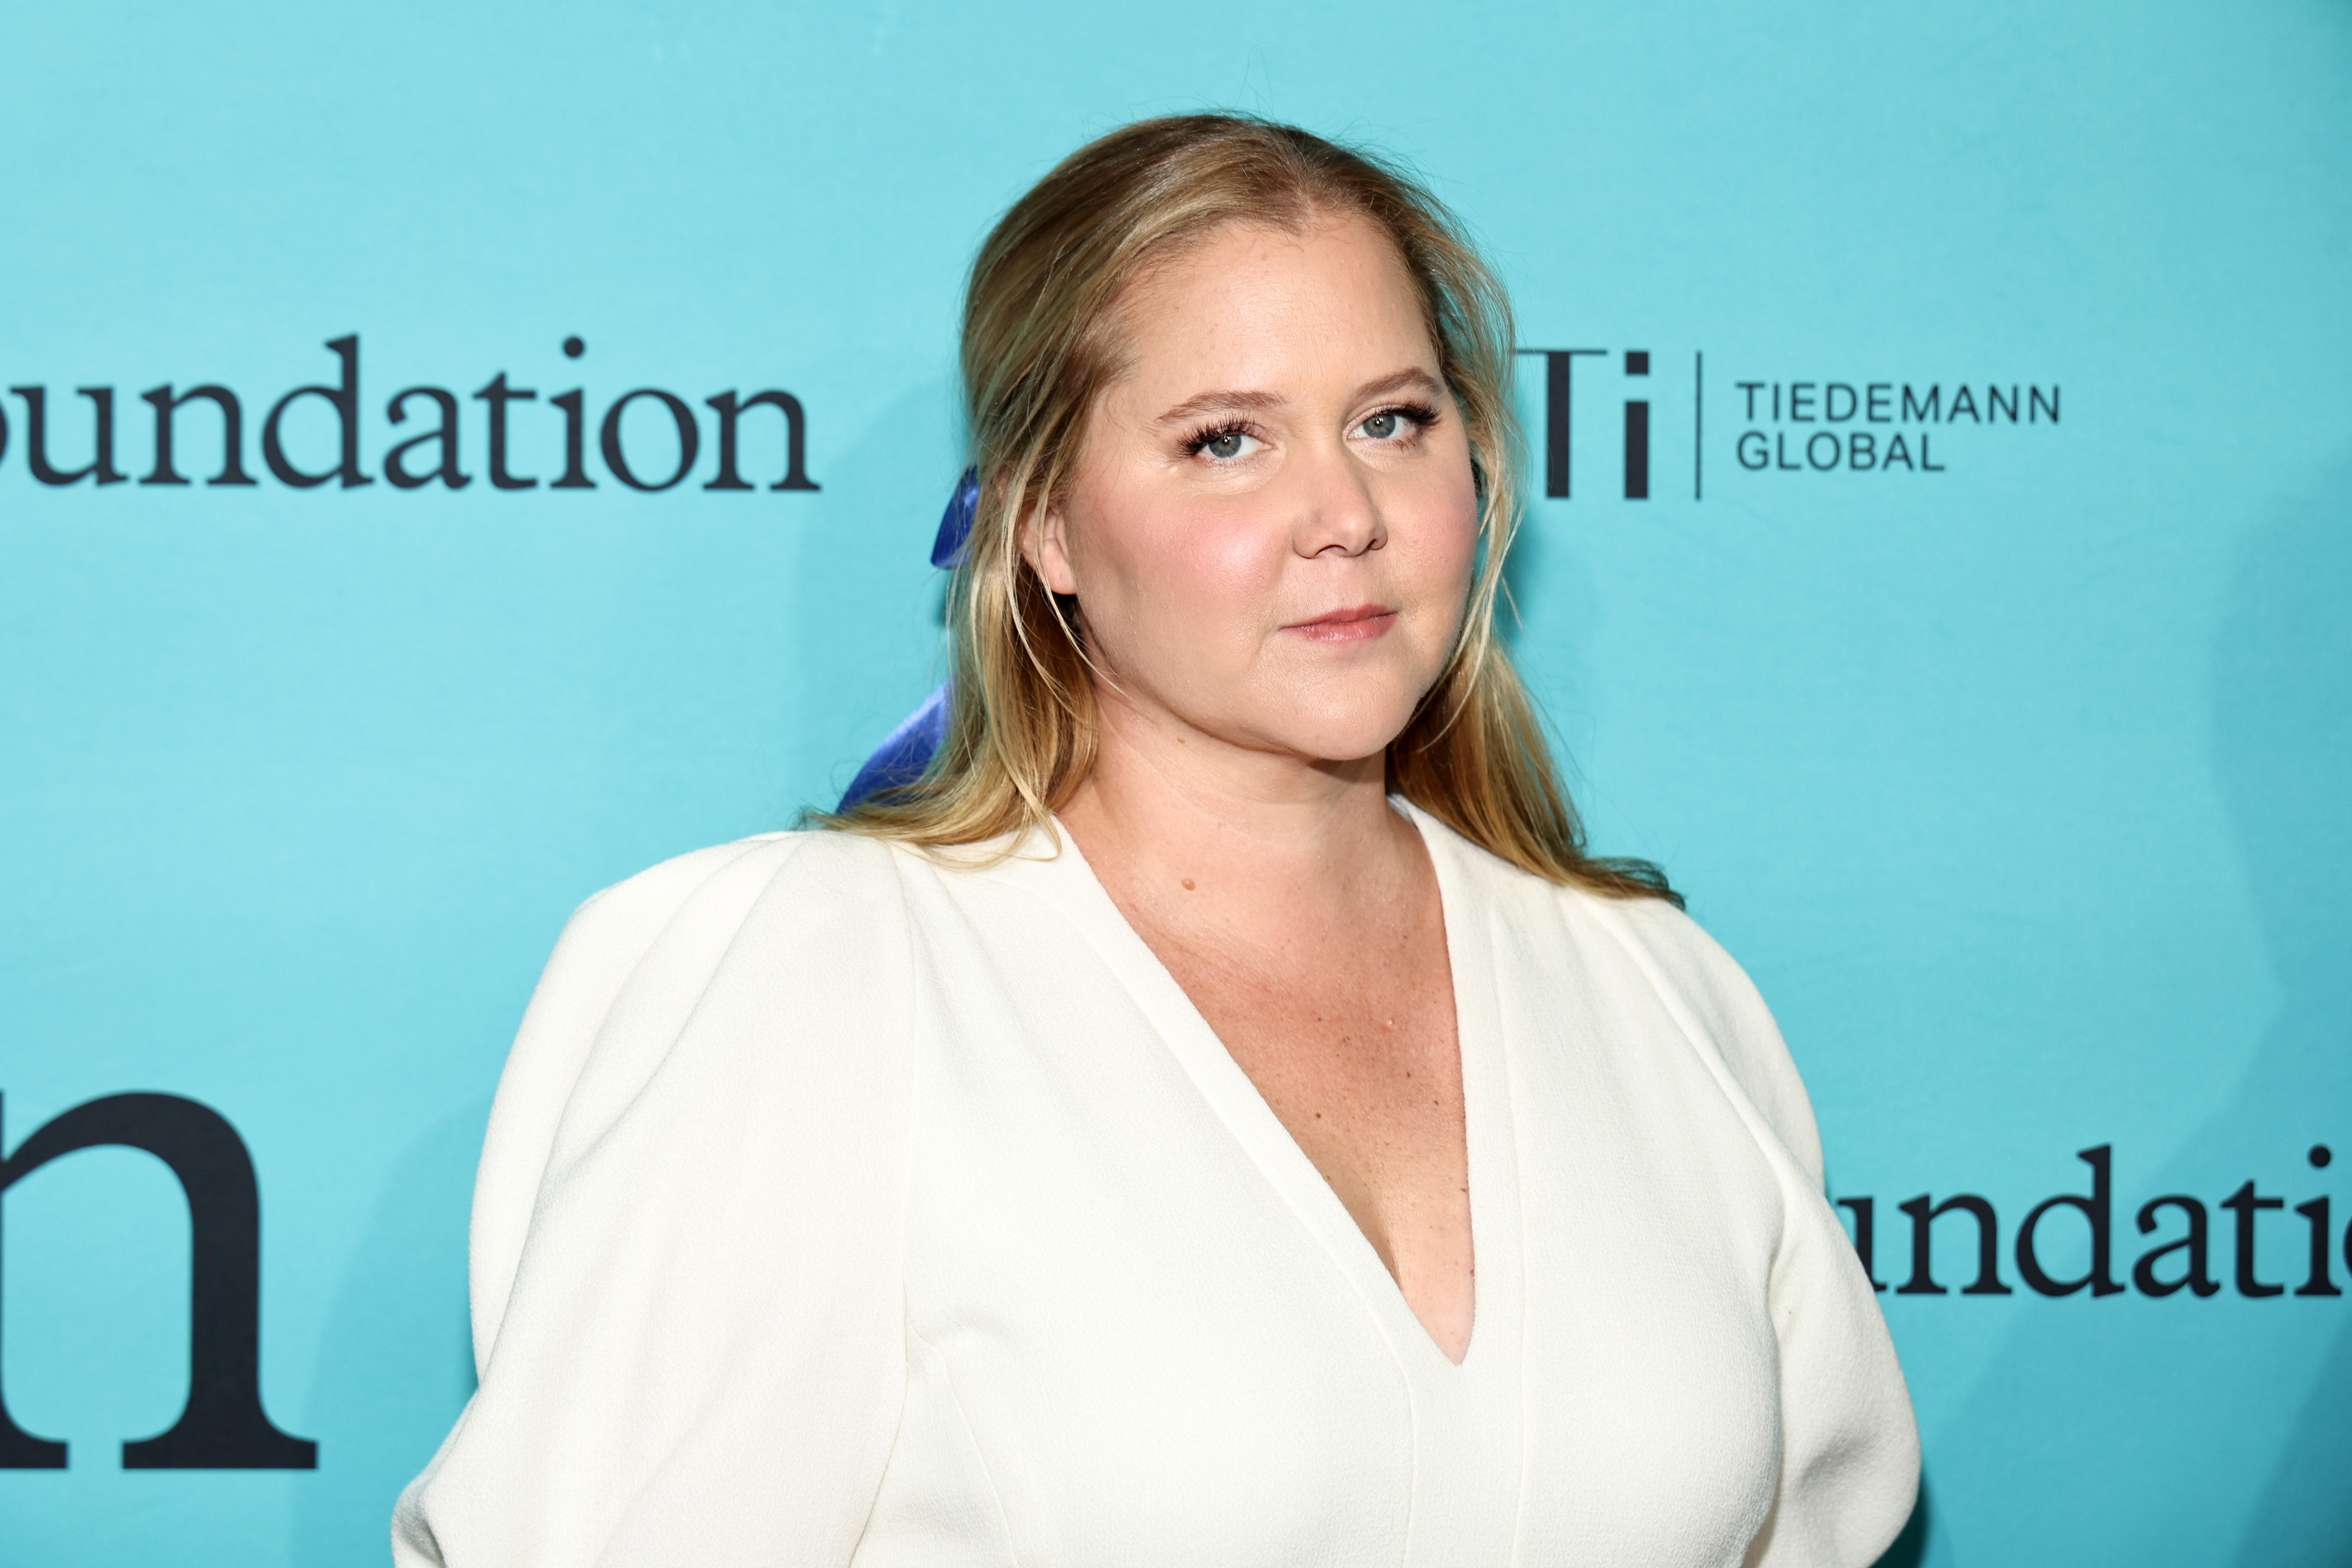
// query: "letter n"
[[223, 1427], [167, 404], [1923, 1221], [795, 441]]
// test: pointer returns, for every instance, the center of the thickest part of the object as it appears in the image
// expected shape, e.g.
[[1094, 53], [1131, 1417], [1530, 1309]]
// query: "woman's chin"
[[1337, 743]]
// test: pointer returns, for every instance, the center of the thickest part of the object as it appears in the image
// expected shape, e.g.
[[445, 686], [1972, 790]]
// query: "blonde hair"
[[1040, 340]]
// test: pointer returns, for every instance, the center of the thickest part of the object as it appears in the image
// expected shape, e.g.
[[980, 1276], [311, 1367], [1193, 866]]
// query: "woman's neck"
[[1169, 810]]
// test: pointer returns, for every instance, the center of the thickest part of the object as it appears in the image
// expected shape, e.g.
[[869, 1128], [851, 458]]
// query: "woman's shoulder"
[[678, 1000], [1706, 990], [1719, 999], [1665, 941], [702, 896], [637, 962], [829, 858]]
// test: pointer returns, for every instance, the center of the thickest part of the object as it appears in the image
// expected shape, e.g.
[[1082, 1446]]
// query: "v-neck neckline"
[[1069, 881]]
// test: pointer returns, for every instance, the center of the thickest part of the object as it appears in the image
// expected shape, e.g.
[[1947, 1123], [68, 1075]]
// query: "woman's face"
[[1271, 525]]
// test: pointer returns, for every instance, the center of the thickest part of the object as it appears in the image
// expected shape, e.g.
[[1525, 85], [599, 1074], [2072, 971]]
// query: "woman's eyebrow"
[[1223, 401], [1218, 402], [1398, 381]]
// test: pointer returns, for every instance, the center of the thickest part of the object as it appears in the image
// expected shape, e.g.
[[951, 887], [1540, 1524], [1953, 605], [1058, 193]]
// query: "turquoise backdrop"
[[2016, 771]]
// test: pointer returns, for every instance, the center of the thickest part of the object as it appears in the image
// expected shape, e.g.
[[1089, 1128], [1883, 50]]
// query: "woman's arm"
[[1848, 1445], [688, 1295]]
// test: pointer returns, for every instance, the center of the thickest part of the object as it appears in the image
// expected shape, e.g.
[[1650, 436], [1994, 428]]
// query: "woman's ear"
[[1043, 536]]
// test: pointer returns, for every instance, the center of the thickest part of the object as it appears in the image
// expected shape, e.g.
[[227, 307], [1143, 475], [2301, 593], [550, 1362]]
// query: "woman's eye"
[[1387, 425], [1228, 443]]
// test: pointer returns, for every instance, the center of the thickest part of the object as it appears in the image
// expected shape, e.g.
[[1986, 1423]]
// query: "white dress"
[[843, 1207]]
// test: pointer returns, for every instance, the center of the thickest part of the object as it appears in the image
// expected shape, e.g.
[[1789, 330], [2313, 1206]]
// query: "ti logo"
[[1559, 416]]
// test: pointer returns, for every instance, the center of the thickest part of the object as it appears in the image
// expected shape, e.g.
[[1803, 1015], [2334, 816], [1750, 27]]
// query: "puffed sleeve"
[[1849, 1444], [687, 1290]]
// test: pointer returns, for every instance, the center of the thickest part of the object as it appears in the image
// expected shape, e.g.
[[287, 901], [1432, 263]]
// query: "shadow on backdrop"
[[2283, 757], [2159, 1412], [379, 1409], [1910, 1547], [2157, 1416]]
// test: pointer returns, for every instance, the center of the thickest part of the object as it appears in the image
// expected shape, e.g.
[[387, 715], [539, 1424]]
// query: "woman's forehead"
[[1246, 252], [1257, 299]]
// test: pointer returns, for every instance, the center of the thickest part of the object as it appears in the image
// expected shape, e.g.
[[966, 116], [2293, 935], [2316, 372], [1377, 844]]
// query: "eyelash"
[[1198, 442], [1423, 415]]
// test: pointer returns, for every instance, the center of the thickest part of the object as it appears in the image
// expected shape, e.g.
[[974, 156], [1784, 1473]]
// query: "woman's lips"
[[1361, 623]]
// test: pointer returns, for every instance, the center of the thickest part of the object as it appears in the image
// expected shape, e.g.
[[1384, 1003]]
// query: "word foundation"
[[432, 455], [2177, 1256]]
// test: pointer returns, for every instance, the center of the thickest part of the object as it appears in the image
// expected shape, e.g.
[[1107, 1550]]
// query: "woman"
[[1218, 1114]]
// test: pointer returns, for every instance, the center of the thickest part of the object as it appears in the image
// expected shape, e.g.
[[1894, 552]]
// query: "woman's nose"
[[1338, 512]]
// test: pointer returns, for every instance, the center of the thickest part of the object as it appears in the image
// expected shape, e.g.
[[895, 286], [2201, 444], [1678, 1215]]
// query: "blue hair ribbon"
[[903, 754]]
